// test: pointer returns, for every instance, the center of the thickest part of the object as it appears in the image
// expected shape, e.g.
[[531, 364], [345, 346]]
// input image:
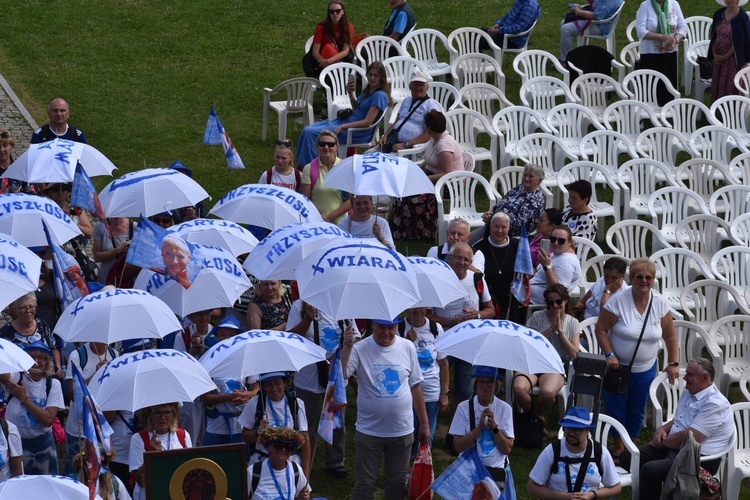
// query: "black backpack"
[[257, 466], [584, 461], [83, 355]]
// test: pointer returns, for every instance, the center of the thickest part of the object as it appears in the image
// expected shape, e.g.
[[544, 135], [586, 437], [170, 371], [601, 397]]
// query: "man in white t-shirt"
[[458, 231], [11, 452], [557, 468], [389, 387], [362, 223]]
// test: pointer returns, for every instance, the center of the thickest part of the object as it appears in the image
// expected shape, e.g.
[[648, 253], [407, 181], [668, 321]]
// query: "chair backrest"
[[605, 147], [444, 93], [730, 202], [698, 29], [745, 389], [466, 40], [427, 46], [462, 192], [611, 19], [641, 85], [663, 145], [627, 117], [691, 338], [514, 122], [695, 50], [630, 54], [635, 239], [667, 206], [716, 142], [732, 111], [665, 397], [533, 63], [703, 234], [676, 267], [685, 115], [732, 265], [543, 93], [733, 334], [594, 90], [570, 120], [510, 36], [739, 230], [704, 301], [742, 81], [483, 98], [640, 177], [703, 176], [506, 179], [630, 32], [469, 162], [333, 78], [586, 249], [299, 92], [544, 150], [589, 171], [587, 334], [309, 44], [476, 68], [398, 70], [463, 124], [377, 48]]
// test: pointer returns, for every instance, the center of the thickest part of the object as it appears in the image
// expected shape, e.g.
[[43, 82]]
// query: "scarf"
[[662, 26]]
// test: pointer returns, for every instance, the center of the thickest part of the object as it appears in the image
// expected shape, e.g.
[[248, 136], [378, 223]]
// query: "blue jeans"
[[629, 408], [432, 411]]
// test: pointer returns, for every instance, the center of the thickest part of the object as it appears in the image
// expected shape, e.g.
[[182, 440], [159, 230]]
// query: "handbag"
[[617, 380], [422, 475], [343, 114], [706, 67], [528, 428]]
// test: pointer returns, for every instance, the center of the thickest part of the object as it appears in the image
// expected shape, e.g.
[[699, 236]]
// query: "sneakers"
[[338, 472]]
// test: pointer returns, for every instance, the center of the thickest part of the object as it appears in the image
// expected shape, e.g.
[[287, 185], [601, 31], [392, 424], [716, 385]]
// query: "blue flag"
[[84, 195], [70, 285], [524, 269], [467, 477], [334, 400], [215, 134]]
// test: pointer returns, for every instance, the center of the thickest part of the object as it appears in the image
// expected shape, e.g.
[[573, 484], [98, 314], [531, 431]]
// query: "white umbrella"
[[115, 315], [261, 351], [358, 280], [278, 254], [44, 487], [55, 161], [221, 233], [19, 270], [219, 283], [502, 344], [147, 378], [13, 359], [266, 206], [21, 217], [437, 283], [150, 191], [379, 174]]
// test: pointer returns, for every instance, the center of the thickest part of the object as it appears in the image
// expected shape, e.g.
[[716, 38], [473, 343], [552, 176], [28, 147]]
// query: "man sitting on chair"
[[521, 17]]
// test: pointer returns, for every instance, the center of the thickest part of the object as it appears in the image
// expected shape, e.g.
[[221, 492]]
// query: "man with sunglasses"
[[58, 128], [557, 470]]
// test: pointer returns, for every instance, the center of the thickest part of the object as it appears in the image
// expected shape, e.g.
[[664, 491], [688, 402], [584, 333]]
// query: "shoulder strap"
[[269, 175], [402, 328], [433, 328], [295, 466], [411, 112], [297, 179], [314, 172], [112, 352], [555, 456], [133, 428], [256, 476], [83, 356], [472, 415], [479, 285], [146, 440], [643, 328], [48, 383], [598, 457], [181, 437]]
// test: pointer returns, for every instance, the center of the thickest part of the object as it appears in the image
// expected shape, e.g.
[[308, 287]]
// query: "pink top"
[[446, 142]]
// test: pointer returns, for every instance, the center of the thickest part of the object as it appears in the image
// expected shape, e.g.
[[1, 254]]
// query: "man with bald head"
[[58, 128]]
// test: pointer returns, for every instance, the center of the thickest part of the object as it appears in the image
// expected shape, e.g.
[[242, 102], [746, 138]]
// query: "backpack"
[[433, 328], [83, 356], [147, 440], [257, 467], [48, 382], [584, 461], [297, 178]]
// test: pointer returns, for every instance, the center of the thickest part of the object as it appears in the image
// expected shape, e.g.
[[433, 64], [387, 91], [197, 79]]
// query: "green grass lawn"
[[140, 78]]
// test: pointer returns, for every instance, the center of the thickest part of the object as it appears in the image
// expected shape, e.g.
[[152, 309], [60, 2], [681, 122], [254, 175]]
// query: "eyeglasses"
[[286, 144], [574, 430], [4, 134], [163, 413], [26, 308], [559, 241], [326, 144], [288, 447], [556, 302], [161, 220], [642, 277], [334, 11]]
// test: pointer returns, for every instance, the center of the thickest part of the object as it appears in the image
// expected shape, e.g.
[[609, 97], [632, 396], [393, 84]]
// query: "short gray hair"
[[23, 298], [500, 215], [705, 366], [535, 169], [460, 244], [459, 220]]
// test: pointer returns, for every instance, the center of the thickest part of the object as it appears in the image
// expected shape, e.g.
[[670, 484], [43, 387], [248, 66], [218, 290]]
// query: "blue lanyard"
[[269, 404], [276, 482]]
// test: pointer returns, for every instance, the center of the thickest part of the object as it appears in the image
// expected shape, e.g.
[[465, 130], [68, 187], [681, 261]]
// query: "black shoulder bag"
[[393, 136], [617, 380]]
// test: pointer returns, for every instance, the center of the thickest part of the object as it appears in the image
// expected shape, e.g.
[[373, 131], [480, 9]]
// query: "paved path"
[[15, 118]]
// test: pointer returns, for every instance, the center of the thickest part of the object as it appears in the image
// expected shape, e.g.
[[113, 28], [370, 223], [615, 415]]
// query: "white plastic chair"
[[466, 126], [543, 93], [738, 461], [684, 115], [745, 385], [299, 99], [483, 98], [628, 116], [630, 54], [703, 234], [732, 266], [630, 32], [639, 178], [665, 396], [309, 44], [513, 123], [373, 129], [610, 39], [663, 145], [586, 249], [696, 49], [444, 93], [698, 29], [469, 163], [729, 202], [462, 199], [534, 63], [668, 206], [733, 113], [629, 238], [604, 148], [377, 48], [464, 41], [742, 81], [571, 122], [703, 176], [426, 46], [732, 333], [510, 36], [691, 340], [477, 68], [641, 85], [399, 70], [706, 301], [549, 152], [587, 333], [596, 175], [675, 269], [716, 142], [593, 90], [739, 230], [333, 78]]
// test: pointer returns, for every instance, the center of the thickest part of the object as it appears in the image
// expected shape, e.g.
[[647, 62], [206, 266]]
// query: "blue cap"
[[577, 418], [229, 322], [385, 322], [485, 371], [181, 168], [38, 345], [267, 377], [132, 345]]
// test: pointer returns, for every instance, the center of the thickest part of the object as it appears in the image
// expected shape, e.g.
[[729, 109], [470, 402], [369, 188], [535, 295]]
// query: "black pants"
[[665, 64], [655, 466]]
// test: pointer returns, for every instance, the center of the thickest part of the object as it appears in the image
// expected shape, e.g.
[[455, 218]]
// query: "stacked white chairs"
[[732, 334], [668, 206], [483, 98], [534, 63], [699, 29], [605, 147], [334, 78], [593, 90], [377, 48], [716, 142], [700, 84], [675, 269], [665, 396], [630, 54], [729, 202], [585, 250], [299, 99], [628, 116], [399, 70], [641, 85], [571, 122], [739, 230], [663, 145], [543, 93], [513, 123], [707, 301], [703, 176], [597, 176], [610, 39], [444, 93], [685, 115], [742, 81], [477, 68], [639, 178], [630, 239], [466, 126], [733, 112], [738, 462], [732, 266], [425, 46], [464, 41], [462, 199], [703, 234]]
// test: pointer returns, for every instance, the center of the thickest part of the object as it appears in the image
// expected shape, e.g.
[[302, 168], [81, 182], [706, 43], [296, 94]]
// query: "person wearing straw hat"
[[278, 476], [556, 471]]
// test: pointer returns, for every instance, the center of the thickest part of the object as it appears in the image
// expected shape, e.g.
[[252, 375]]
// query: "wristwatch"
[[673, 363], [405, 144], [446, 392], [495, 430], [544, 268]]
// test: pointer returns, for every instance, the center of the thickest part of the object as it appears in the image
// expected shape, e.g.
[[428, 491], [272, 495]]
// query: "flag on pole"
[[84, 196], [96, 430], [334, 400], [524, 270], [70, 284], [215, 134], [467, 477]]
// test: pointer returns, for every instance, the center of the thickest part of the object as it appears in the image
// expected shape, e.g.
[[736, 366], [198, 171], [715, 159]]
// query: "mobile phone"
[[545, 245], [351, 79]]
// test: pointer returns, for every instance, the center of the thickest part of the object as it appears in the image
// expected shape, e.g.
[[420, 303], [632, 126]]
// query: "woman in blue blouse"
[[367, 108]]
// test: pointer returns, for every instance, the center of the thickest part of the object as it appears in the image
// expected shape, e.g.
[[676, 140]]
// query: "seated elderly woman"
[[500, 259], [559, 265], [563, 331], [362, 223], [603, 289]]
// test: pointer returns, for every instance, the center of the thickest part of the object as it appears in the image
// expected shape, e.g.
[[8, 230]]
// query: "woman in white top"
[[563, 331], [559, 265], [660, 27], [277, 476], [282, 173], [362, 223]]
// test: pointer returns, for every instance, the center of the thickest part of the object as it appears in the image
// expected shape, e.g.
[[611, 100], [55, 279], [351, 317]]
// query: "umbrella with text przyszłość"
[[21, 217], [19, 270]]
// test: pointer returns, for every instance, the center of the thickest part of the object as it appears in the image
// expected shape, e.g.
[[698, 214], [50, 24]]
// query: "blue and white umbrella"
[[437, 282], [21, 217], [219, 283], [358, 280], [19, 270], [46, 487], [261, 351], [55, 161], [379, 174], [13, 359], [277, 256], [266, 206], [150, 191], [221, 233]]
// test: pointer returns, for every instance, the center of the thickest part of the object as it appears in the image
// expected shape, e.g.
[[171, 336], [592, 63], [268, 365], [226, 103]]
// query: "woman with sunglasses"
[[278, 476], [110, 245], [548, 220], [330, 202], [559, 265], [563, 331], [283, 173], [333, 38], [366, 110], [620, 324]]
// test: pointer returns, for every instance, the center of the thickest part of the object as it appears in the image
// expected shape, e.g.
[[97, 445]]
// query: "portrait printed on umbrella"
[[163, 252]]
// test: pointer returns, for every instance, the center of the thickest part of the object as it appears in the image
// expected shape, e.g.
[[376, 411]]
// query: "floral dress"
[[722, 80], [274, 314]]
